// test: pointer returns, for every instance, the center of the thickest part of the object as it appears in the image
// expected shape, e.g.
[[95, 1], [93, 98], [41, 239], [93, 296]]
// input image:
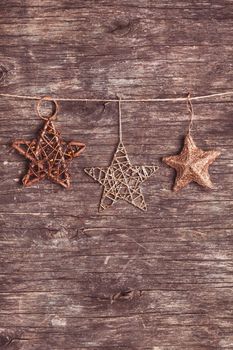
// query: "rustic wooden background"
[[72, 278]]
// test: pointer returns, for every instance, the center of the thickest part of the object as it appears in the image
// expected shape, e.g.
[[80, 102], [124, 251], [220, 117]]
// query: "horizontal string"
[[172, 99]]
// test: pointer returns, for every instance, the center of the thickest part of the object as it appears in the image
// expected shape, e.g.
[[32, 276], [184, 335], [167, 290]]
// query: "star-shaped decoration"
[[121, 180], [49, 156], [192, 164]]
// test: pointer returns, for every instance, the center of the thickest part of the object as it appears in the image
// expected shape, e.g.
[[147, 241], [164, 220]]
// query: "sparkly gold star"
[[192, 165], [121, 180], [49, 156]]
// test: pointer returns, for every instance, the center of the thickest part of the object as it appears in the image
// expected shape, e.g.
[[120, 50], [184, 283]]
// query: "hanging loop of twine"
[[120, 124], [55, 109], [191, 112]]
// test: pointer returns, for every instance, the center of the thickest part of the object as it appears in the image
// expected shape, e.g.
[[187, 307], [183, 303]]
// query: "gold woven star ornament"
[[192, 164], [121, 180]]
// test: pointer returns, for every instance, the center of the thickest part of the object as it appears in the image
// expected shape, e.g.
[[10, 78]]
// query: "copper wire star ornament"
[[49, 154], [192, 164], [121, 180]]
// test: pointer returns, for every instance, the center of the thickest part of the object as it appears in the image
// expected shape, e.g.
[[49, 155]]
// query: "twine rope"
[[172, 99]]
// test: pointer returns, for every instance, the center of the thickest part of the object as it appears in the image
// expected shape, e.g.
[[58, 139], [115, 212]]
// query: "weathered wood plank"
[[70, 277]]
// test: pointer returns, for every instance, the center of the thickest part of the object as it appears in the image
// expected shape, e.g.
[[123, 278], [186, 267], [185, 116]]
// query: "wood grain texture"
[[72, 278]]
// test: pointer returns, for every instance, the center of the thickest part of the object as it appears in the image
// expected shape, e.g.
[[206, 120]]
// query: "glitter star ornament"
[[192, 164], [49, 154], [121, 180]]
